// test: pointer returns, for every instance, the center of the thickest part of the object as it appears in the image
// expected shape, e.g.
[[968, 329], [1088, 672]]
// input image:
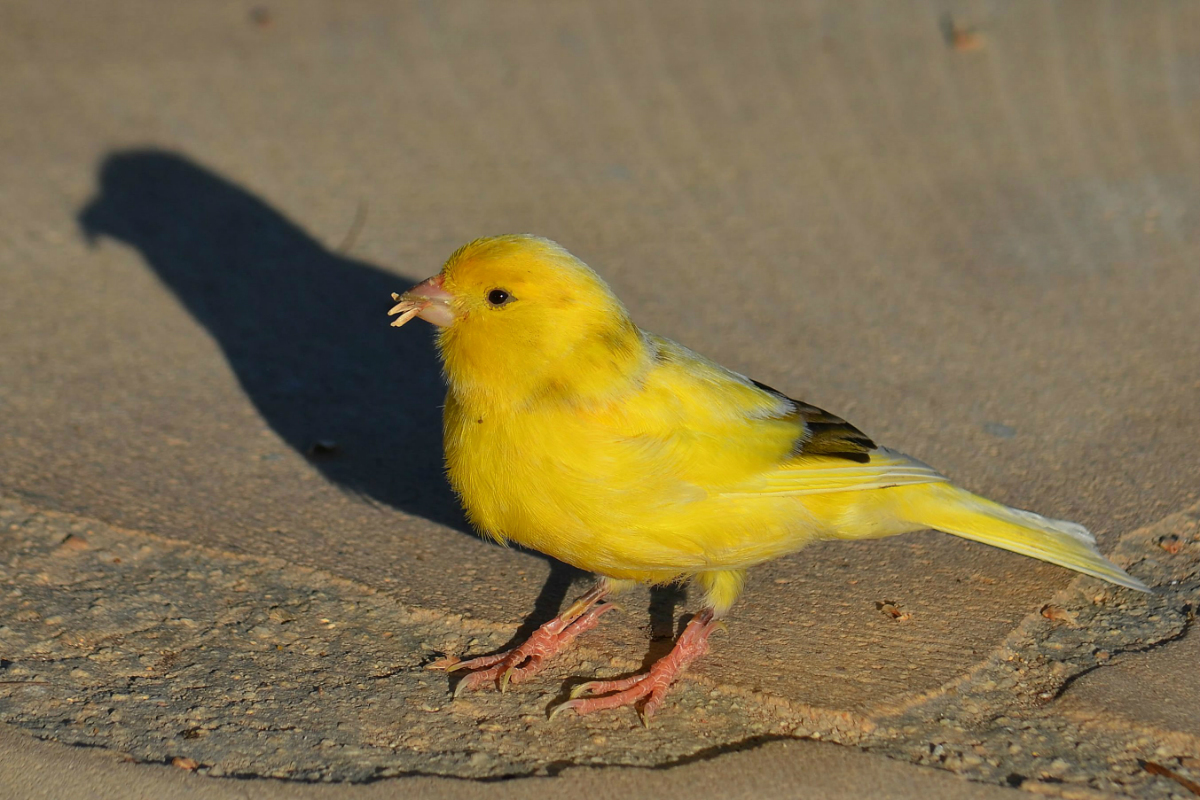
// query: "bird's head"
[[519, 318]]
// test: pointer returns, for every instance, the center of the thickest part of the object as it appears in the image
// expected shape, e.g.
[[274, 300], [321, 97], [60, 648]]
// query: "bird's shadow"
[[305, 331]]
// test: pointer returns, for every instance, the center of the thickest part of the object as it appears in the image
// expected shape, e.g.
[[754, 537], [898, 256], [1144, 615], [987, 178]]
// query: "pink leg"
[[523, 662], [651, 686]]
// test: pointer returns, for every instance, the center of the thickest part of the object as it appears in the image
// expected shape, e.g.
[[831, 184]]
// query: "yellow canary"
[[570, 430]]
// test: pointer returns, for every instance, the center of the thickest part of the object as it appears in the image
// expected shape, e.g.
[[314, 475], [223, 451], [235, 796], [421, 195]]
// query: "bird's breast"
[[593, 495], [509, 471], [559, 483]]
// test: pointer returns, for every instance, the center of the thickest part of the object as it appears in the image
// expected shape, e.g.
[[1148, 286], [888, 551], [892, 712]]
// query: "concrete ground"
[[972, 229]]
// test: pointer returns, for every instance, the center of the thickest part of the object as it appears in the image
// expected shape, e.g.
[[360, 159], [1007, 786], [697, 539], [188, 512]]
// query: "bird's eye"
[[498, 297]]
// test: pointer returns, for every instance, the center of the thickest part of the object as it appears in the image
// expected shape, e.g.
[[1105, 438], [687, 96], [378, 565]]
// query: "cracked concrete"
[[253, 667], [1007, 719]]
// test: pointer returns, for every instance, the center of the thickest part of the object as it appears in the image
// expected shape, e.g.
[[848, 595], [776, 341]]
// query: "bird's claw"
[[503, 679], [578, 703], [570, 704], [447, 664], [463, 686], [581, 689]]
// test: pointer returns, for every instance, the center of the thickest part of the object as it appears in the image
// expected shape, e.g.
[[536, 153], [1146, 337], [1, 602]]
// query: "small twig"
[[1159, 769]]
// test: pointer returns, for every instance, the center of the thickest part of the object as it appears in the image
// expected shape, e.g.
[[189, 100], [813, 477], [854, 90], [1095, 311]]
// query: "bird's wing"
[[726, 433], [822, 433], [824, 475]]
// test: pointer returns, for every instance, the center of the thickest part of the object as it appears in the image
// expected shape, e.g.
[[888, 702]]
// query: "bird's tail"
[[953, 510]]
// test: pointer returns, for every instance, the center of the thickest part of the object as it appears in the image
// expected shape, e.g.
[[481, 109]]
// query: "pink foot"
[[652, 685], [523, 662]]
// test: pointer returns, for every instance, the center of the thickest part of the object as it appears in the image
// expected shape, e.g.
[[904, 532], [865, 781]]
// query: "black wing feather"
[[826, 434]]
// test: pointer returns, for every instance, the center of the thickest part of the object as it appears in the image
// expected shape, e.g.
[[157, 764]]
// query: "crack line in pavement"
[[255, 667]]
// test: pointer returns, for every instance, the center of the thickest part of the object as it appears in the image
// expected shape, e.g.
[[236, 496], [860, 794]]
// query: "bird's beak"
[[427, 300]]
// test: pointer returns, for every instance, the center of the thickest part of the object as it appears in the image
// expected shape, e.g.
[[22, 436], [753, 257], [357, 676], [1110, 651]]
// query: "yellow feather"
[[957, 511], [571, 431]]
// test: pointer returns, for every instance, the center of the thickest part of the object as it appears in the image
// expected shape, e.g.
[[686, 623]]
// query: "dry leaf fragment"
[[1171, 543], [892, 609], [1058, 614], [962, 38]]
